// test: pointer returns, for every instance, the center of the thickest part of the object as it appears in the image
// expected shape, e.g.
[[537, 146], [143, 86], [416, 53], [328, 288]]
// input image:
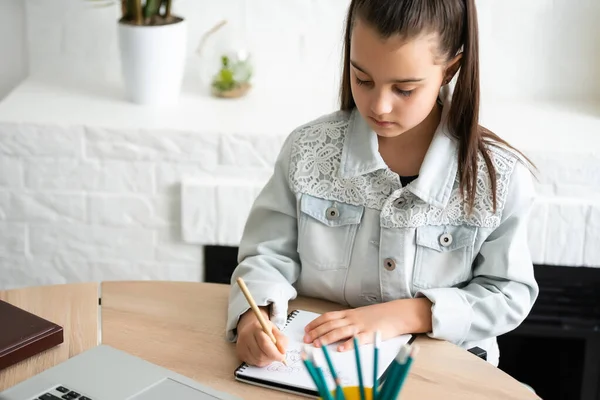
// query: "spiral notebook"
[[294, 378]]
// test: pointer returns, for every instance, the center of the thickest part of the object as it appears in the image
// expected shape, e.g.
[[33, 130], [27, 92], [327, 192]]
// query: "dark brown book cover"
[[23, 334]]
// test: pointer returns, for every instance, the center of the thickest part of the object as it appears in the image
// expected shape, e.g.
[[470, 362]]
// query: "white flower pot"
[[153, 61]]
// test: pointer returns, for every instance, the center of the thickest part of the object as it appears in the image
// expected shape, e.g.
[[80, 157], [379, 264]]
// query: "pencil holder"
[[353, 393]]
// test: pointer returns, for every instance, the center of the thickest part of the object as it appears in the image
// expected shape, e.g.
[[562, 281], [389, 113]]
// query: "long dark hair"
[[455, 21]]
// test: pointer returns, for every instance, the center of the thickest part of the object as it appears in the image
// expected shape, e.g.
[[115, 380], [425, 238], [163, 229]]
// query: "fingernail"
[[317, 343], [307, 338], [341, 348]]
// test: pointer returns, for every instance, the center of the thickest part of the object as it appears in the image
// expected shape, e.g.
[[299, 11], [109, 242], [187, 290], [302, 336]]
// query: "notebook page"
[[295, 374]]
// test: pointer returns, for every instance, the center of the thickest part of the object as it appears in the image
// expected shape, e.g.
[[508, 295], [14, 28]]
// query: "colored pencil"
[[394, 370], [318, 364], [338, 383], [376, 344], [259, 315], [361, 384], [403, 374], [307, 360]]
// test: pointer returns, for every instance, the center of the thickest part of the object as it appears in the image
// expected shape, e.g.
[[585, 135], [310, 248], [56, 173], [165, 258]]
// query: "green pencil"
[[361, 384], [307, 358], [318, 363], [393, 371], [404, 373], [376, 344], [338, 384]]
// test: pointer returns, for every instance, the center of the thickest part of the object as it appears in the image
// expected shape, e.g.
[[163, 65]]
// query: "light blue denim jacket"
[[334, 222]]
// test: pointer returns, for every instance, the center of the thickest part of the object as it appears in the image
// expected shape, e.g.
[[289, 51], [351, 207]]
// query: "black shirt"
[[405, 180]]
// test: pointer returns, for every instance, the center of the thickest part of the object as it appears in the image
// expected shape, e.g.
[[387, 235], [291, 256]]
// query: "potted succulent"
[[226, 64], [233, 78], [152, 45]]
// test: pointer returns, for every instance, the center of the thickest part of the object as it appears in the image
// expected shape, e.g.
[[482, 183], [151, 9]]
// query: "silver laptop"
[[105, 373]]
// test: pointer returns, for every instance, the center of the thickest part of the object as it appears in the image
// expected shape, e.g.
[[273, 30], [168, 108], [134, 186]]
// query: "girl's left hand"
[[335, 326]]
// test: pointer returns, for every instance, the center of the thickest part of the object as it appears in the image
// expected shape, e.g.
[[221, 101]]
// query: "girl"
[[399, 205]]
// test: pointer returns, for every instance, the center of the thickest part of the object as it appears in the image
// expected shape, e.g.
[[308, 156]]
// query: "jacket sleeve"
[[503, 289], [268, 260]]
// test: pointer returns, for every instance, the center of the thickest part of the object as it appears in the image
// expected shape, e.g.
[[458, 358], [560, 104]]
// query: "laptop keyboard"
[[62, 393]]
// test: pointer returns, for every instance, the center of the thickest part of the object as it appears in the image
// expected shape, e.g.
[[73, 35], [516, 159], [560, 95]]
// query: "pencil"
[[393, 372], [257, 312], [336, 379], [359, 369], [307, 360], [318, 364], [376, 344], [397, 388]]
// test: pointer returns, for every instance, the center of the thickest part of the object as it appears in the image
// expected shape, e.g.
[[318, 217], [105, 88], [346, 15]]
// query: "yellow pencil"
[[257, 312]]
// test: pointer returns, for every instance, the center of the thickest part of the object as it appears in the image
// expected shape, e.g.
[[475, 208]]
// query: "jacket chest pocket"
[[444, 255], [326, 232]]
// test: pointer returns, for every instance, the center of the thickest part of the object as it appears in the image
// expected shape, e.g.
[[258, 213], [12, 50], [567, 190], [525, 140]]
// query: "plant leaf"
[[152, 8]]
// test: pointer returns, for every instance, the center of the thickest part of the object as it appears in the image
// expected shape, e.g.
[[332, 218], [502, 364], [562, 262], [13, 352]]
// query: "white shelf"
[[546, 127], [68, 101], [539, 126]]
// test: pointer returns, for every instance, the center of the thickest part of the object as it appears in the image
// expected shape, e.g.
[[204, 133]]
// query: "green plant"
[[232, 76], [143, 12]]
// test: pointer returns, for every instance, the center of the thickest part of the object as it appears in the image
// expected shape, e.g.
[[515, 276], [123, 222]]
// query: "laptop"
[[105, 373]]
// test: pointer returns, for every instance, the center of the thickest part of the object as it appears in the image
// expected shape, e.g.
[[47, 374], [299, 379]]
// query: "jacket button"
[[399, 202], [332, 213], [389, 264], [446, 239]]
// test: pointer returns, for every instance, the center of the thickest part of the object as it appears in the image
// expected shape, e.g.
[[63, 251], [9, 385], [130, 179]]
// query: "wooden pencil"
[[259, 315]]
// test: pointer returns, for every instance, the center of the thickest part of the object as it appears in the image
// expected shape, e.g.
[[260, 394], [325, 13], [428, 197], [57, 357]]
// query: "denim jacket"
[[334, 222]]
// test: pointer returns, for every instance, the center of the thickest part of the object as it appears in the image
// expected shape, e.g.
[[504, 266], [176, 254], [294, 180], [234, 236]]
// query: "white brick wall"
[[215, 210], [147, 145], [103, 204], [13, 239]]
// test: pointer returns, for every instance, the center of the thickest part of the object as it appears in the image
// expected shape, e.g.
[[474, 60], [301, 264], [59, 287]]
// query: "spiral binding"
[[290, 317]]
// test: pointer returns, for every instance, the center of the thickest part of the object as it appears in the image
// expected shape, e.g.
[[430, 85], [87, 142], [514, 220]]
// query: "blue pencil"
[[403, 374], [394, 370], [376, 344], [338, 384], [317, 362], [312, 373], [361, 384], [308, 358]]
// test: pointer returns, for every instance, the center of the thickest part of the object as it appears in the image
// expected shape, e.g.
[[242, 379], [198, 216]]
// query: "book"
[[24, 334], [294, 378]]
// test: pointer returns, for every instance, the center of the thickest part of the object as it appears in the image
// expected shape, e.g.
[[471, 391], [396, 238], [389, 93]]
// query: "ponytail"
[[464, 111]]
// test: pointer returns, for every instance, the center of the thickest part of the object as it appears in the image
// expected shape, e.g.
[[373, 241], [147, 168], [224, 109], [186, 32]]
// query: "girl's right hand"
[[254, 346]]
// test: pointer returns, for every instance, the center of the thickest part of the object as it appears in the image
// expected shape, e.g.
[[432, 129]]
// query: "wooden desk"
[[181, 326], [74, 307]]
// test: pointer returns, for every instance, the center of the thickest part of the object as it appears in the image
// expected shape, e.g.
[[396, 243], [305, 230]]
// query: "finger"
[[243, 349], [336, 335], [363, 338], [246, 354], [327, 327], [321, 319], [282, 340], [256, 354], [269, 352]]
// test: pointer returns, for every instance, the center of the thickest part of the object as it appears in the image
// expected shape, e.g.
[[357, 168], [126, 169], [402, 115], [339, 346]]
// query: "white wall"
[[540, 49], [13, 50], [534, 49], [537, 49]]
